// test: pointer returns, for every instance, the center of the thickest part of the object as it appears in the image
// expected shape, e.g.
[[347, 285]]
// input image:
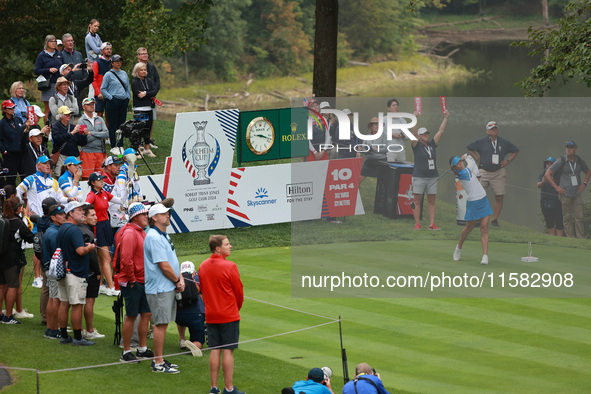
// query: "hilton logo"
[[299, 189]]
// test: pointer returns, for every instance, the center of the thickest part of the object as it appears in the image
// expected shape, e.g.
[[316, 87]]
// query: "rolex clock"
[[260, 135]]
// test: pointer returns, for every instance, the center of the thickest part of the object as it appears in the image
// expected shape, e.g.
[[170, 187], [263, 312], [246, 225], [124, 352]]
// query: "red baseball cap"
[[8, 104]]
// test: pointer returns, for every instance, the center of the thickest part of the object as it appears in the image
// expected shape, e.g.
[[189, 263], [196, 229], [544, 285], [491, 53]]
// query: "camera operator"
[[315, 383], [366, 381]]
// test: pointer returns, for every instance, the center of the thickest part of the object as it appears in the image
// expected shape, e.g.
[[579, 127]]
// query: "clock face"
[[260, 135]]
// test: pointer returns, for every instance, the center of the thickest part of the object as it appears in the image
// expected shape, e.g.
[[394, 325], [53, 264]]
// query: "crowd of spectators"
[[76, 91]]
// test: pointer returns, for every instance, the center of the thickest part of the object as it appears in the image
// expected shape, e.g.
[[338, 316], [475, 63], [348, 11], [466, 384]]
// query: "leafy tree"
[[224, 38], [565, 51], [376, 26], [276, 37]]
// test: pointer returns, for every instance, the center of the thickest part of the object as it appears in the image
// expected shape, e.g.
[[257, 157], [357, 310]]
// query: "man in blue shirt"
[[315, 383], [72, 288], [163, 281], [366, 381]]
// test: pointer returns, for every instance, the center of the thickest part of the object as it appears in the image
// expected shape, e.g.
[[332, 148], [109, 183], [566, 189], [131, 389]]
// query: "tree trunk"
[[545, 12], [325, 48]]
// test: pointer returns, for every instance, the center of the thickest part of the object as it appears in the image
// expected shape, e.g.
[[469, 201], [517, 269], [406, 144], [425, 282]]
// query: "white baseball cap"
[[34, 132], [73, 205], [422, 131], [38, 111], [158, 209], [187, 266], [491, 125]]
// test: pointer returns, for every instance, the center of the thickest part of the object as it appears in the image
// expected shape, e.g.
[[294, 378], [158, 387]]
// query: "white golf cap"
[[347, 111], [38, 111], [187, 266], [324, 104], [491, 125], [72, 205], [422, 131], [158, 209], [34, 132]]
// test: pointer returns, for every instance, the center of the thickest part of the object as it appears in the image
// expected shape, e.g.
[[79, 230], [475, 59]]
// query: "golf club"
[[412, 203]]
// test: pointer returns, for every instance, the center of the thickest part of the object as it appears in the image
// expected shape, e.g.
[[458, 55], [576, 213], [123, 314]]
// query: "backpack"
[[115, 251], [564, 159], [4, 235], [191, 292], [38, 244], [57, 266], [117, 259]]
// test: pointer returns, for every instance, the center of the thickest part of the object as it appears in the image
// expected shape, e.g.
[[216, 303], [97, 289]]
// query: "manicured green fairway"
[[417, 344]]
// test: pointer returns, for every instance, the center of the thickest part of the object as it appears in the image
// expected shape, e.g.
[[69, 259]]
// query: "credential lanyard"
[[494, 144], [571, 166]]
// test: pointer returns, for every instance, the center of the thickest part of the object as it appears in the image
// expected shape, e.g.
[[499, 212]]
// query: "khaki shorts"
[[496, 180], [52, 285], [72, 289], [163, 307]]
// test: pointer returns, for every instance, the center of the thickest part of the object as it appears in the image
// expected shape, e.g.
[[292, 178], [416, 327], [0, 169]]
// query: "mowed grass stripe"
[[554, 326], [572, 306]]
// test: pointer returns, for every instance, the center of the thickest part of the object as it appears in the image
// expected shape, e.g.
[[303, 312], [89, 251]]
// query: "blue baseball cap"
[[72, 160], [129, 151], [43, 159], [454, 161], [550, 159]]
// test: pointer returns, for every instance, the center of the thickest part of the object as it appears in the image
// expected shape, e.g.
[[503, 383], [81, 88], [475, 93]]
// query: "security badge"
[[431, 164], [495, 158]]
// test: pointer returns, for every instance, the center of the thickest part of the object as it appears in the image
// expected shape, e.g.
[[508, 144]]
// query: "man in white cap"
[[131, 278], [163, 281], [34, 148], [489, 153], [72, 288]]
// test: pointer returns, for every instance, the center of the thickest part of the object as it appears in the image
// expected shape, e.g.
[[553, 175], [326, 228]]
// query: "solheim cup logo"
[[200, 154]]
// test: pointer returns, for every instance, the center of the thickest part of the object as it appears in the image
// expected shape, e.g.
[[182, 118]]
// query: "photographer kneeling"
[[366, 381], [315, 383]]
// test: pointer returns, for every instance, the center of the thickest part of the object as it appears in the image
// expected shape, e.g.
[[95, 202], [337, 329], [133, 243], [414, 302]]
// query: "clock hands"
[[262, 136]]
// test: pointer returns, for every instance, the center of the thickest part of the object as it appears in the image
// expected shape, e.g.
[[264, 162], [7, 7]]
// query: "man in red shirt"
[[223, 296], [131, 280]]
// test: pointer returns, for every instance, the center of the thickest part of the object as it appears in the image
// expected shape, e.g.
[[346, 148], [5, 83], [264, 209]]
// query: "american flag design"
[[233, 210]]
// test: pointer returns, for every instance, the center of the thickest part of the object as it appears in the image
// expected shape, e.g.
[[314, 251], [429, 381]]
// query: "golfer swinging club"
[[477, 207]]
